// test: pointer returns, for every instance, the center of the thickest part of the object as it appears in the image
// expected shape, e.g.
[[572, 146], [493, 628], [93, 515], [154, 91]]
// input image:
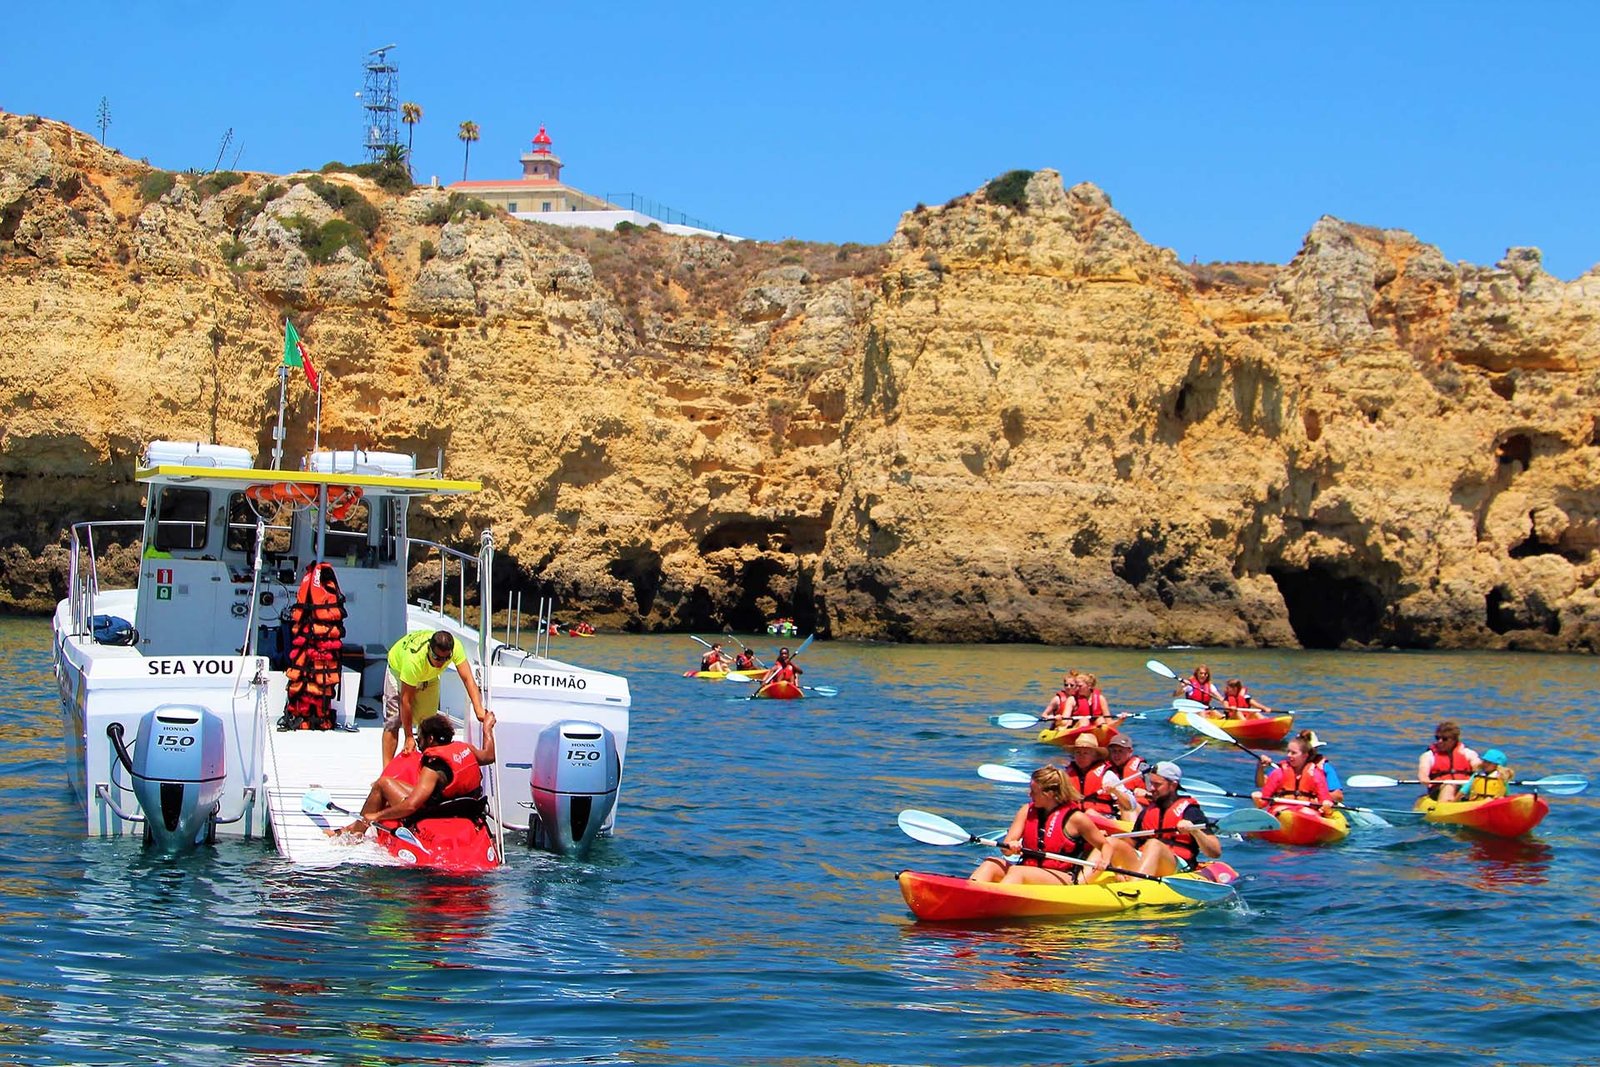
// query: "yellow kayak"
[[737, 676]]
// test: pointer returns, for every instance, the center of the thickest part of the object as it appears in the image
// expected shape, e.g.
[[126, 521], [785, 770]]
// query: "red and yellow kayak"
[[736, 676], [778, 690], [1300, 824], [459, 845], [1508, 816], [947, 898], [1102, 733], [1267, 730]]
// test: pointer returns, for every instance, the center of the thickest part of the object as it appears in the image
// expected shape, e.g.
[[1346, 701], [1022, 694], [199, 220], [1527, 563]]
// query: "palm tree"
[[468, 133], [410, 114]]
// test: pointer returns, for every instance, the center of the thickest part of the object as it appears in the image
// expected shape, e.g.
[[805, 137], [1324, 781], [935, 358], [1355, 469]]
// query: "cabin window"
[[181, 515], [242, 526], [350, 537]]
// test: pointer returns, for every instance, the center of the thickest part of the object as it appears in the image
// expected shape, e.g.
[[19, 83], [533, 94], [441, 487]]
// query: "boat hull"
[[1270, 730], [1508, 816], [1305, 826], [946, 898], [778, 690]]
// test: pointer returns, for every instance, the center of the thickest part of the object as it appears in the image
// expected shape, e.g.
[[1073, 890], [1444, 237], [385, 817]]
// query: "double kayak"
[[1266, 730], [778, 689], [1507, 816], [1301, 824], [1102, 733], [734, 676], [948, 898]]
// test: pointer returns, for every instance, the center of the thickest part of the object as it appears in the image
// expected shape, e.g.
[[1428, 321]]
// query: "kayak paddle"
[[1241, 821], [1206, 728], [932, 829], [1560, 785], [316, 801], [1368, 818]]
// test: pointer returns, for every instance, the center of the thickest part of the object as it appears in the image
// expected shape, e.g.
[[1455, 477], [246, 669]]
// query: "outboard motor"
[[576, 771], [178, 769]]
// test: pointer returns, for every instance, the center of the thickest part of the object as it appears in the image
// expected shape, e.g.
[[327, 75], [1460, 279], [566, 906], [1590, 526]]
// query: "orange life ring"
[[342, 500], [295, 493]]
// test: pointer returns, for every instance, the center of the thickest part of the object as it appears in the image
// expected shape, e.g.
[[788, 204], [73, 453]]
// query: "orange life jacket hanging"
[[316, 635]]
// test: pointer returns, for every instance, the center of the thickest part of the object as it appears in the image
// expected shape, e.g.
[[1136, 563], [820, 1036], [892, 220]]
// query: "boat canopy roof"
[[377, 484]]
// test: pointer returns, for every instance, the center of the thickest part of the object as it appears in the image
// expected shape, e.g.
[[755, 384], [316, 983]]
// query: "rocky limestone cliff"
[[1017, 421]]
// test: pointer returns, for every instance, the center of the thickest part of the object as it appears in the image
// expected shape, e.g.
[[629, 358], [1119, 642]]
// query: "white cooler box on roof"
[[393, 464], [196, 454]]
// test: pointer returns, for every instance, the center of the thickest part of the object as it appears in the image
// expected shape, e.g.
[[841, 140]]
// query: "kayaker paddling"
[[1177, 825], [1052, 821], [1059, 707], [1199, 687], [1089, 775], [1296, 778], [1445, 765], [1237, 703]]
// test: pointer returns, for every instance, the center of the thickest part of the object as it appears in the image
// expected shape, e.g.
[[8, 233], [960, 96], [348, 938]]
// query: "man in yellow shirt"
[[411, 684]]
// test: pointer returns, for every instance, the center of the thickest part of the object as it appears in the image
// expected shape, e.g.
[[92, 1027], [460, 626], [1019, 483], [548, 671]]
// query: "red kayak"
[[1301, 824], [1507, 816], [778, 690], [457, 838]]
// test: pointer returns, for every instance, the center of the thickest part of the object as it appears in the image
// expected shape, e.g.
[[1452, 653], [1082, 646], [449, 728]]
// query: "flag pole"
[[277, 431], [316, 439]]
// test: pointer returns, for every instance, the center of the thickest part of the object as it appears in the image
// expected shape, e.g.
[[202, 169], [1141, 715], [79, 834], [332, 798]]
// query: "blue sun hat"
[[1494, 756]]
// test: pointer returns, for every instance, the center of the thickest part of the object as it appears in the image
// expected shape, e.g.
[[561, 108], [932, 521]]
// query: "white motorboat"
[[176, 693]]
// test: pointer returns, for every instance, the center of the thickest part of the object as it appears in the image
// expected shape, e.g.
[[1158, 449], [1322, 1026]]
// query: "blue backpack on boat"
[[112, 630]]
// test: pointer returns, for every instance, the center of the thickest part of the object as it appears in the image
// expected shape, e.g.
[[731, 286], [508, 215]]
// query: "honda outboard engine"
[[576, 771], [178, 770]]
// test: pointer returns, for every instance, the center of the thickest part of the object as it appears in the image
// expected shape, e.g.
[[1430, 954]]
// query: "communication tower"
[[380, 96]]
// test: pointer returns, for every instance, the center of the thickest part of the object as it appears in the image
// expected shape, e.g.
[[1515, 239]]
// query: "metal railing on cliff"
[[645, 206]]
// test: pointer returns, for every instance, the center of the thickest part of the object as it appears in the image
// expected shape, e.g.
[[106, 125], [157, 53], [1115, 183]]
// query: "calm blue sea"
[[746, 912]]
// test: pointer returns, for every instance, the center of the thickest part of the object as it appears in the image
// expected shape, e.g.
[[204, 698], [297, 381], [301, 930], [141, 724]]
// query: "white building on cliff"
[[541, 196]]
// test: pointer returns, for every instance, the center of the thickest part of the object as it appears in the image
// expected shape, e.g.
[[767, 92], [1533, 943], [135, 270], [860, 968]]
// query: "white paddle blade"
[[1160, 668], [1366, 819], [996, 772], [931, 829], [1202, 890], [1015, 720], [1205, 727], [1370, 781], [1185, 704], [1561, 785], [316, 801], [1247, 821], [1203, 788], [822, 690]]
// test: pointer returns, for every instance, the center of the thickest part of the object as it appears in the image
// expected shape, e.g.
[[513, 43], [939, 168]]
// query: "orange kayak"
[[1507, 816], [1268, 730], [778, 690], [1301, 824], [1102, 733]]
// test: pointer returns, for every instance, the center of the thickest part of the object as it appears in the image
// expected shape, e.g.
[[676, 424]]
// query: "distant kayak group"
[[778, 681], [1109, 831]]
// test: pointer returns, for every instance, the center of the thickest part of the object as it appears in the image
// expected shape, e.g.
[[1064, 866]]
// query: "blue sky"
[[1221, 130]]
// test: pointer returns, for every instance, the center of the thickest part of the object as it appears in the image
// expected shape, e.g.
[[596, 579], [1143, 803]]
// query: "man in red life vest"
[[1087, 773], [715, 659], [441, 769], [784, 670], [1447, 761], [1178, 826]]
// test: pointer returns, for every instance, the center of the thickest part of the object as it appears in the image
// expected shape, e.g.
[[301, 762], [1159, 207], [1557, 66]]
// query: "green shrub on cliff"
[[1010, 189], [322, 243], [155, 185], [212, 184]]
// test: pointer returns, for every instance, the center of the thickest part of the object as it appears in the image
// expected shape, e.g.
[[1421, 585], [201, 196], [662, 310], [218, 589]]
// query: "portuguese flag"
[[295, 354]]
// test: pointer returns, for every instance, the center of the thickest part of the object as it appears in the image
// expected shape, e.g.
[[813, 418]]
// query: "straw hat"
[[1087, 742]]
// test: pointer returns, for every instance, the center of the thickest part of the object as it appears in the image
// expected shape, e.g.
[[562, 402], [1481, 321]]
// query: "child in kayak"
[[1051, 822], [1491, 777]]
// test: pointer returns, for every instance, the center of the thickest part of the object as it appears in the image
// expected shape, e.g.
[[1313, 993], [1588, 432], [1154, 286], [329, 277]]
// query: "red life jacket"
[[1204, 693], [744, 662], [1132, 769], [1089, 782], [1164, 821], [1049, 834], [1453, 766], [457, 768], [1302, 785], [405, 767], [1239, 701], [783, 672]]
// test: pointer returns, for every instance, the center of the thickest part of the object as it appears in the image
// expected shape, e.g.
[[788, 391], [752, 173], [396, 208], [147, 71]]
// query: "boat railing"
[[462, 562], [83, 575]]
